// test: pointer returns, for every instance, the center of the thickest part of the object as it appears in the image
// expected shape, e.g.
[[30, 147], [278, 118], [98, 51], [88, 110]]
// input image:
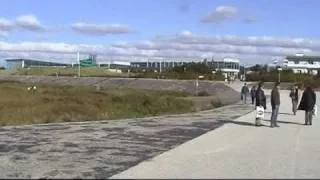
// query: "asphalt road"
[[101, 149]]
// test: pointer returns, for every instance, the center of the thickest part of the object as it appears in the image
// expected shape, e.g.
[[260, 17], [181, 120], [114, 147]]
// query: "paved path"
[[101, 149], [240, 150]]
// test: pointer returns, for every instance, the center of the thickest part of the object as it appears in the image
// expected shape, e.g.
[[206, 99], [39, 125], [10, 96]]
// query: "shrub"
[[203, 93], [216, 103]]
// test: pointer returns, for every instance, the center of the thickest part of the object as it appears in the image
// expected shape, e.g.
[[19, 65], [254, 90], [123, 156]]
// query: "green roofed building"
[[87, 63]]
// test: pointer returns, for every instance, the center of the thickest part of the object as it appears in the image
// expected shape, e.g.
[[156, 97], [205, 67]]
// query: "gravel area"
[[101, 149], [175, 85]]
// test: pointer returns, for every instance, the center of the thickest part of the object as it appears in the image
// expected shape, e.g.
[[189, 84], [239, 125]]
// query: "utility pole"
[[78, 57]]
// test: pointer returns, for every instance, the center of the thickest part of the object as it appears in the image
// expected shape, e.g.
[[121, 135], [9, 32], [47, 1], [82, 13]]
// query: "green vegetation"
[[187, 71], [4, 72], [85, 72], [203, 93], [286, 76], [184, 72], [54, 103]]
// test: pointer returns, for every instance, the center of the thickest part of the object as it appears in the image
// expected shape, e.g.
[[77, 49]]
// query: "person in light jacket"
[[307, 103], [260, 101], [275, 104]]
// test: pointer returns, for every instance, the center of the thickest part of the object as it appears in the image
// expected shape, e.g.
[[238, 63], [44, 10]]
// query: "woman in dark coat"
[[307, 104], [260, 101]]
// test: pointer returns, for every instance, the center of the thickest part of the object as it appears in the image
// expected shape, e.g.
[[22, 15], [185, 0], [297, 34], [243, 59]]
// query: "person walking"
[[307, 103], [275, 104], [253, 93], [260, 101], [294, 95], [244, 93]]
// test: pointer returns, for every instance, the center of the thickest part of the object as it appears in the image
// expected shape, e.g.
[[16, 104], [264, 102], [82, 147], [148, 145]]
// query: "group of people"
[[258, 97]]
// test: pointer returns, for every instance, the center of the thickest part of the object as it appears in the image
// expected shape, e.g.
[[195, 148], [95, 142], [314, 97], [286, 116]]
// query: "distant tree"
[[196, 68], [256, 68]]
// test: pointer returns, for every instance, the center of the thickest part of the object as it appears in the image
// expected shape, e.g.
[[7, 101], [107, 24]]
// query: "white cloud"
[[186, 33], [224, 13], [100, 29], [3, 35], [5, 25], [182, 45], [262, 41], [249, 19], [221, 13], [29, 22]]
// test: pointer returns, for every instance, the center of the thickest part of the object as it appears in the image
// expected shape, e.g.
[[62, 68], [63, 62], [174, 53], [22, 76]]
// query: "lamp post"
[[279, 74], [244, 72]]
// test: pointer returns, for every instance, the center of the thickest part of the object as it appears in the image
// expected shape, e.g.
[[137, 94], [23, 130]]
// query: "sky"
[[254, 31]]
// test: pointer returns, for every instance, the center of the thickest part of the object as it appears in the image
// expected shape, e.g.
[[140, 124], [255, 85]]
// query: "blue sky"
[[149, 18]]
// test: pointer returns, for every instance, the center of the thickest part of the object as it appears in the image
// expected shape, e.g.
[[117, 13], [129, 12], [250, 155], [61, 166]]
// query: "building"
[[228, 66], [28, 63], [156, 64], [301, 63], [114, 64]]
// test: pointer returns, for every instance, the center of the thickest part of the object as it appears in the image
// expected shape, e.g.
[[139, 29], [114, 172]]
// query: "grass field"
[[54, 103], [84, 72]]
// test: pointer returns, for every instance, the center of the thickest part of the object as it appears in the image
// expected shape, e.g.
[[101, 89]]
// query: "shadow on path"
[[239, 123], [285, 122], [269, 112]]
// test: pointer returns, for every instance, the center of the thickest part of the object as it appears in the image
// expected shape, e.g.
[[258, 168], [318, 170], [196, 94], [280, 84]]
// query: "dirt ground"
[[219, 93]]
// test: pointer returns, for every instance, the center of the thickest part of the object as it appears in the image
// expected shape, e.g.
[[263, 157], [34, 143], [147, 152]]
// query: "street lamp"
[[279, 76], [244, 72]]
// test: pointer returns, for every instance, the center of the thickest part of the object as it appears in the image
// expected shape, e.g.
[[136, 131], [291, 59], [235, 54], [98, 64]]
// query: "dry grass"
[[4, 72], [54, 103]]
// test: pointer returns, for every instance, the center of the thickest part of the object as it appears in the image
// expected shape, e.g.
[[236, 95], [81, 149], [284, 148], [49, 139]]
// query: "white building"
[[114, 64], [302, 64], [228, 66]]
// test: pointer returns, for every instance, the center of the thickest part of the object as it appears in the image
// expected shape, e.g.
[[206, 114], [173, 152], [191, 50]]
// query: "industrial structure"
[[230, 67], [29, 63], [114, 64], [303, 64]]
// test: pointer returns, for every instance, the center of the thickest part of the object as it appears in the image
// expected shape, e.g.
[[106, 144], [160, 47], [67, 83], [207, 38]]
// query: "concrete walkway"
[[241, 150]]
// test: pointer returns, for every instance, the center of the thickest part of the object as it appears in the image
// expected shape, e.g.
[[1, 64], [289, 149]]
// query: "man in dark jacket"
[[260, 101], [253, 93], [244, 93], [275, 104], [307, 103]]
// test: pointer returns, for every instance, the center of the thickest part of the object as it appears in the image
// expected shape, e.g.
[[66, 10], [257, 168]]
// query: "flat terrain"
[[241, 150], [68, 99], [212, 87], [101, 149], [59, 103]]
